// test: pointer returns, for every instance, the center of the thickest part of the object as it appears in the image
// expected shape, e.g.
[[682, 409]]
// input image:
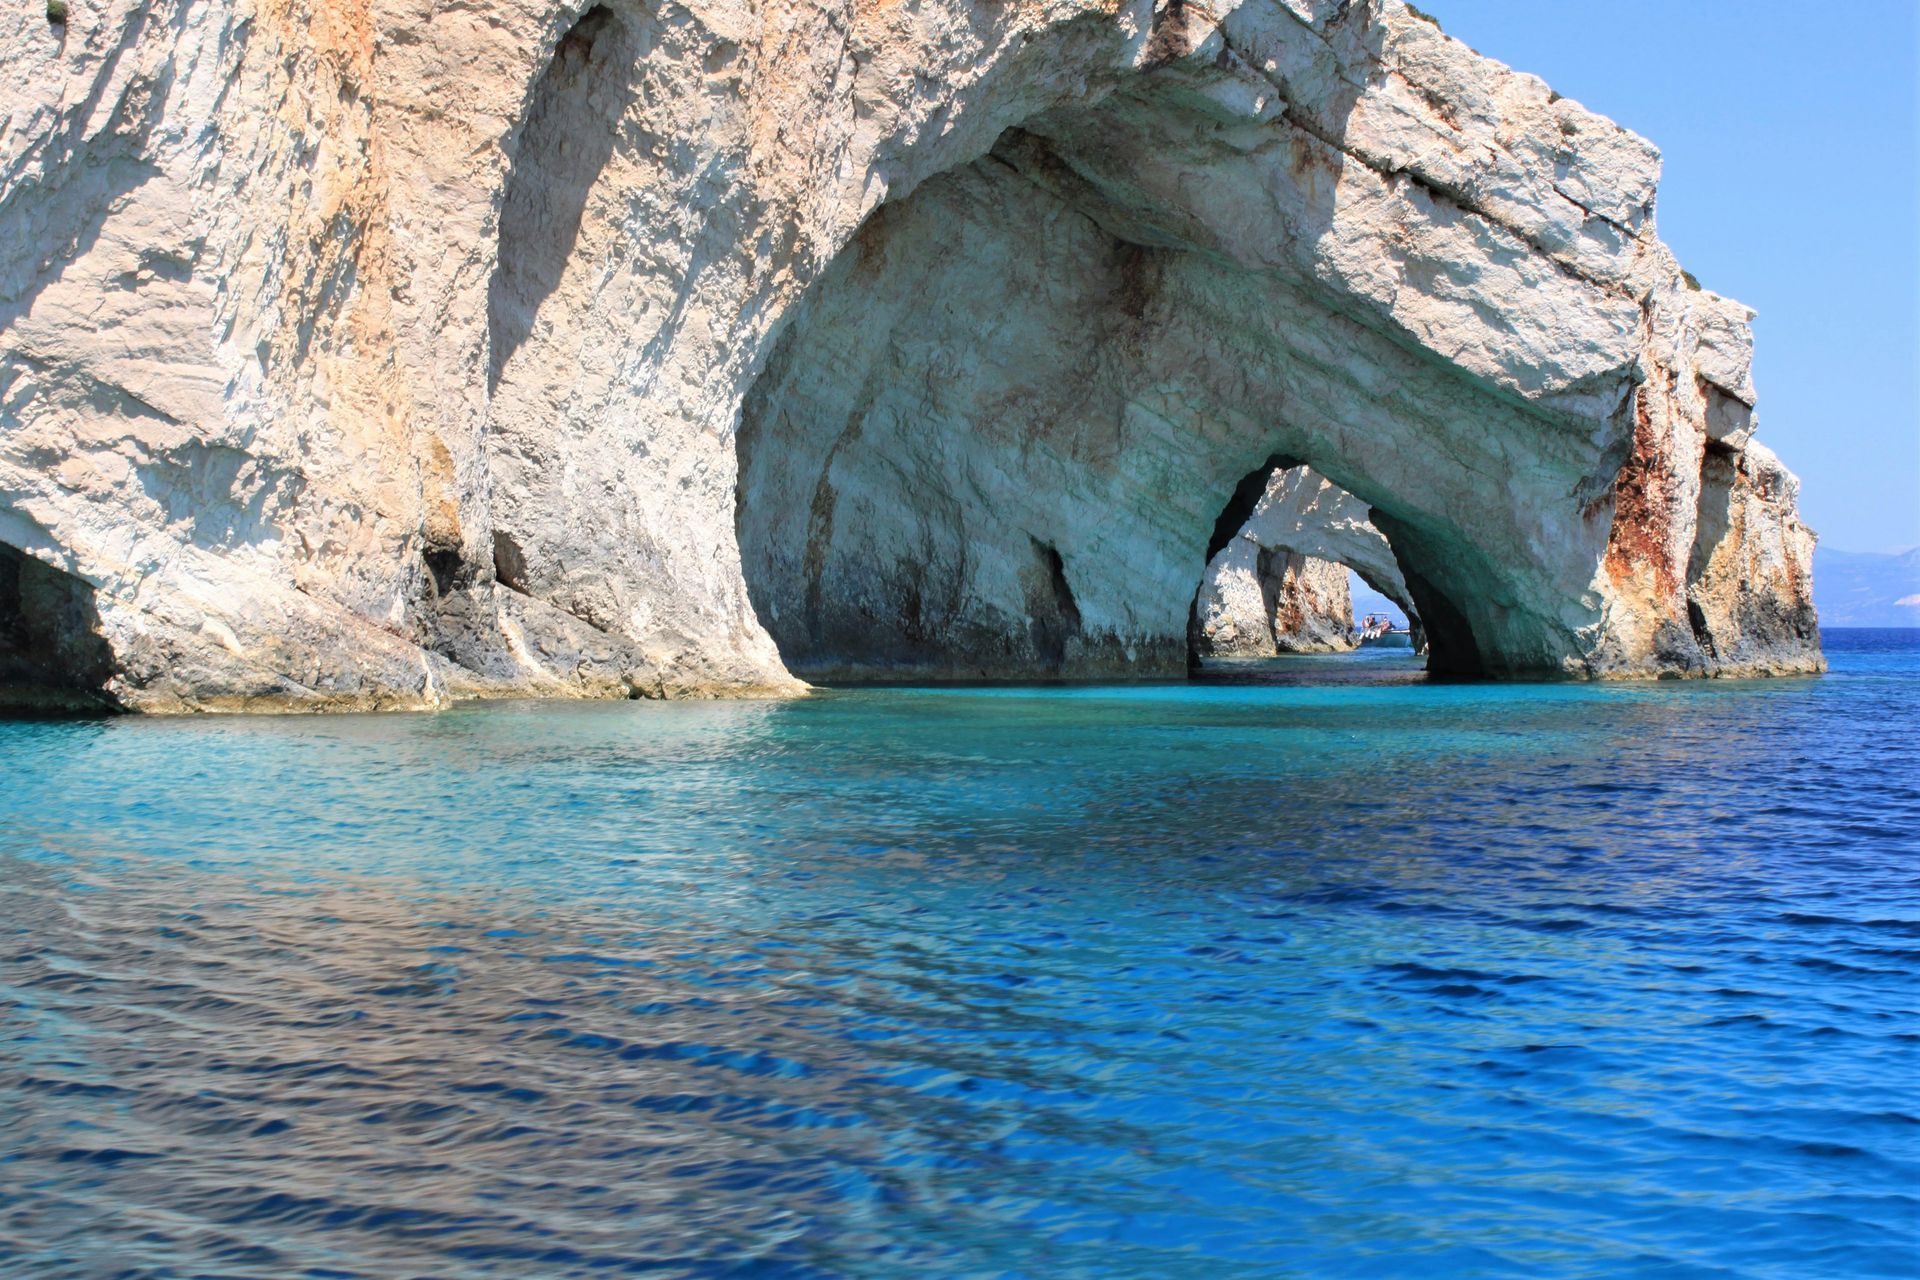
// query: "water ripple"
[[1295, 979]]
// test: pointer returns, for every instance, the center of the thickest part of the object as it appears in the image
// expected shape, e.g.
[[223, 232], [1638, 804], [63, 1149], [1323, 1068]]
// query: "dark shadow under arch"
[[1451, 647]]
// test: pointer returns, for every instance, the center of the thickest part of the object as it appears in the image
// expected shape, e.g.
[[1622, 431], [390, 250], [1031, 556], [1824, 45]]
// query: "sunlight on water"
[[1334, 973]]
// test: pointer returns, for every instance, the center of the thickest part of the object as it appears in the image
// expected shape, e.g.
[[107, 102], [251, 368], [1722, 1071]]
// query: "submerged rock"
[[377, 356]]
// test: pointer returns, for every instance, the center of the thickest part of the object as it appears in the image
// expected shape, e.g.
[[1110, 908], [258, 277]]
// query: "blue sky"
[[1790, 133]]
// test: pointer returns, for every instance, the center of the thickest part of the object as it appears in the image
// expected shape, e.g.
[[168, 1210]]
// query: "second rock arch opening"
[[1278, 572]]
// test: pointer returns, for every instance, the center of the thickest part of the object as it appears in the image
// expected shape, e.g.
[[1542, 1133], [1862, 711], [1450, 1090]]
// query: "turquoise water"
[[1332, 972]]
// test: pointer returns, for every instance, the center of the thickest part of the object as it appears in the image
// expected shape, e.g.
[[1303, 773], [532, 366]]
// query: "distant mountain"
[[1867, 588]]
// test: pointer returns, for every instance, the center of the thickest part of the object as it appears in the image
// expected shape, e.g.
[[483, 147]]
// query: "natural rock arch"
[[1280, 582], [385, 438], [1082, 339]]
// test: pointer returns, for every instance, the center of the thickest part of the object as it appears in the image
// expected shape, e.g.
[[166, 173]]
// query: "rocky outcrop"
[[1313, 610], [375, 355], [1258, 602]]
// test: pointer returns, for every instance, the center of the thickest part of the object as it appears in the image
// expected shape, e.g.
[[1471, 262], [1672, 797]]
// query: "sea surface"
[[1315, 971]]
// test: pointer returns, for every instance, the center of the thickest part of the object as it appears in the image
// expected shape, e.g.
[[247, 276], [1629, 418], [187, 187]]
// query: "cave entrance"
[[53, 658], [1011, 423]]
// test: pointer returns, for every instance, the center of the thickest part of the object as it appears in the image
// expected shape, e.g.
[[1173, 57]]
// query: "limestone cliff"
[[375, 353]]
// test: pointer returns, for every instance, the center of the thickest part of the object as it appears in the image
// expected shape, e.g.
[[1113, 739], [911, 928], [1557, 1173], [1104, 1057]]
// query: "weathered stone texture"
[[1258, 602], [378, 353]]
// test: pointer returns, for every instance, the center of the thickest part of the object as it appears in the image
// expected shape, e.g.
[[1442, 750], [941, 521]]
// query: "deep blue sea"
[[1324, 972]]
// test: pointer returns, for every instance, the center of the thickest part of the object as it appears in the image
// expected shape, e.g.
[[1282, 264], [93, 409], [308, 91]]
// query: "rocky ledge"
[[371, 355]]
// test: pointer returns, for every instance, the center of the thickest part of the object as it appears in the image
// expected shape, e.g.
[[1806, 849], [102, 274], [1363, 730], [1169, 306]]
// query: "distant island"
[[1867, 588]]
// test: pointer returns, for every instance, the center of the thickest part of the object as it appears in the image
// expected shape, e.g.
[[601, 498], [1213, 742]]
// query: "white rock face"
[[375, 354]]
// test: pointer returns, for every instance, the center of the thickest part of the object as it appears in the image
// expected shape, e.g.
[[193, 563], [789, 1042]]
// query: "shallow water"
[[1343, 975]]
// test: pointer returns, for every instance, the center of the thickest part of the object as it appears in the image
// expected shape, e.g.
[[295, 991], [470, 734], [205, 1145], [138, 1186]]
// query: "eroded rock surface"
[[1257, 602], [375, 355]]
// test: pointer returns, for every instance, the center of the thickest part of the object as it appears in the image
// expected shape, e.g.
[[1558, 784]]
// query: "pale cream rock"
[[1258, 602], [378, 354]]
